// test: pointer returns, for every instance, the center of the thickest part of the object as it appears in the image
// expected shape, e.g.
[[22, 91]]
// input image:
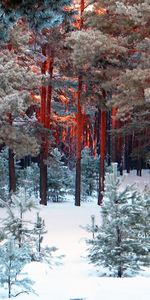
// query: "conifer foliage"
[[12, 261], [122, 244]]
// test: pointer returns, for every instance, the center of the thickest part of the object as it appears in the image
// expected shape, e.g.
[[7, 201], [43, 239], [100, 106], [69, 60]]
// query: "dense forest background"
[[74, 94]]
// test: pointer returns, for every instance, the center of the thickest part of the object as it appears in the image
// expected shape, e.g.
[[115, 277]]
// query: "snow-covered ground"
[[76, 278]]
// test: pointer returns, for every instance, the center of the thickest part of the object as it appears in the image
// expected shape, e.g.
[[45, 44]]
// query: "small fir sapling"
[[13, 259], [16, 224], [89, 166], [59, 177], [93, 227], [39, 252], [117, 245]]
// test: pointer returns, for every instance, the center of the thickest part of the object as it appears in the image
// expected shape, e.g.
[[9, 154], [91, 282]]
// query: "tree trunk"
[[43, 90], [78, 146], [46, 97], [120, 270], [113, 152], [103, 126], [12, 175], [49, 94], [78, 182], [43, 177]]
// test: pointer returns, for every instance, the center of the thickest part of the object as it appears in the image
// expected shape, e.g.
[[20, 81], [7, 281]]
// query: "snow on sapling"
[[16, 224], [59, 177], [12, 261], [117, 245], [41, 253], [92, 228], [89, 166]]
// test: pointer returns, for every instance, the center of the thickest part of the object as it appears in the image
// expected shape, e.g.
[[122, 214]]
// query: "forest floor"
[[75, 278]]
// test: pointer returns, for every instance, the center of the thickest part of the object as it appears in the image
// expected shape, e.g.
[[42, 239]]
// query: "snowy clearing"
[[75, 278]]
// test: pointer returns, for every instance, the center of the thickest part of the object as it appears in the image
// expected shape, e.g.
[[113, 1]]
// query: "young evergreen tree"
[[4, 174], [89, 167], [15, 224], [12, 261], [60, 178], [117, 245], [39, 252]]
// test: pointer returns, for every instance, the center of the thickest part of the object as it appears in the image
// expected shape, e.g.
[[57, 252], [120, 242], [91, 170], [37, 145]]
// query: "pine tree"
[[117, 245], [4, 176], [12, 261], [15, 224], [89, 167], [39, 252], [60, 178]]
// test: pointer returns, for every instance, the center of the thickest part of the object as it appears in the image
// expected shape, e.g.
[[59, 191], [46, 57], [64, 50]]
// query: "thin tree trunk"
[[45, 114], [43, 177], [9, 279], [43, 90], [108, 146], [103, 126], [79, 127], [113, 154], [12, 175], [120, 270], [78, 146], [49, 94]]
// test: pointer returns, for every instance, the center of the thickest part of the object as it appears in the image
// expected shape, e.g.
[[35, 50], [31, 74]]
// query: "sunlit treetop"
[[39, 14]]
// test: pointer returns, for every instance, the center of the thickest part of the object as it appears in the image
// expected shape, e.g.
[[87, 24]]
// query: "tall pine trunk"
[[78, 146], [43, 176], [42, 156], [12, 174], [79, 127], [103, 127], [113, 142], [46, 98], [11, 163]]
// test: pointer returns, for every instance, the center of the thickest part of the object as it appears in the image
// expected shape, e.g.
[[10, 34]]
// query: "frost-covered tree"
[[16, 224], [121, 243], [89, 169], [4, 174], [60, 178], [17, 82], [28, 178], [12, 261], [39, 251]]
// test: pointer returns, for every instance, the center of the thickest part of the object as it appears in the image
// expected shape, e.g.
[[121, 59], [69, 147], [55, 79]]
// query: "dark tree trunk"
[[127, 154], [79, 127], [103, 125], [108, 139], [120, 270], [12, 175], [120, 273], [139, 167], [114, 123], [78, 146], [78, 182], [43, 177]]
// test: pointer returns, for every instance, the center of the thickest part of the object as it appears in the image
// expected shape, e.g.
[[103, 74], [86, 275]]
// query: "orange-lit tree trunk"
[[103, 126], [43, 152], [78, 145], [11, 162], [116, 142], [79, 127], [45, 118], [46, 98], [49, 94], [113, 140]]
